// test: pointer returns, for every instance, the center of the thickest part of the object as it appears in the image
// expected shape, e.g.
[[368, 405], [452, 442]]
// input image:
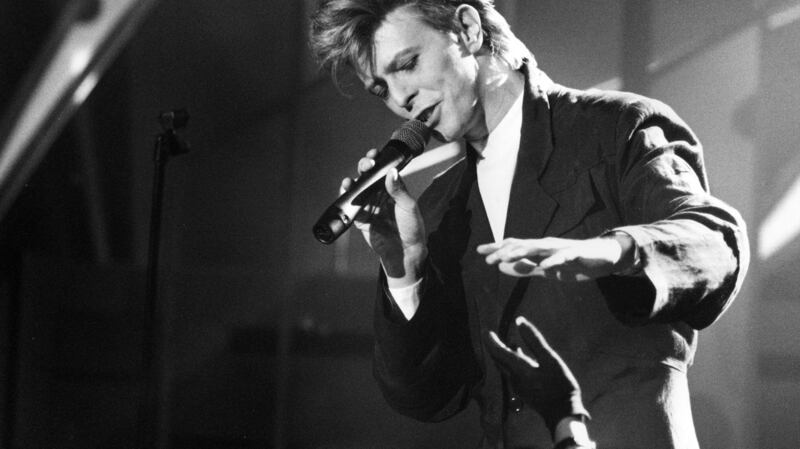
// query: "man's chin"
[[443, 135]]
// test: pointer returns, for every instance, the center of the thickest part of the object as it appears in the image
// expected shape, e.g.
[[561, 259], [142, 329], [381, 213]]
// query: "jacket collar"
[[537, 136], [530, 207]]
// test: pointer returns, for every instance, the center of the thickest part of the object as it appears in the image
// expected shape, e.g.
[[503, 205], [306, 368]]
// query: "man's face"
[[426, 74]]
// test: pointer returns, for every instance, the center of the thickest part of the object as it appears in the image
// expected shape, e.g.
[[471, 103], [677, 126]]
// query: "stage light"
[[782, 223]]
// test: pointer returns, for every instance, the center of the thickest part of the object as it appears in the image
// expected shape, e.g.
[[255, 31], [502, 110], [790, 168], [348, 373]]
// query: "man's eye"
[[409, 64]]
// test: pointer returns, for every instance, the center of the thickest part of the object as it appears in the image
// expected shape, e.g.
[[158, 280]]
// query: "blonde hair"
[[342, 30]]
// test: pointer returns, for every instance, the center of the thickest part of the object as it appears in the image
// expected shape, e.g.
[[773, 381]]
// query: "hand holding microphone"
[[381, 207], [406, 142]]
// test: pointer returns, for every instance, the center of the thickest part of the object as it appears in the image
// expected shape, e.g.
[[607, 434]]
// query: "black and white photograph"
[[399, 224]]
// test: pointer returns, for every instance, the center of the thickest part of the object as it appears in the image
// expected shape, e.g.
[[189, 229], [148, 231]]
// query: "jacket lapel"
[[530, 207]]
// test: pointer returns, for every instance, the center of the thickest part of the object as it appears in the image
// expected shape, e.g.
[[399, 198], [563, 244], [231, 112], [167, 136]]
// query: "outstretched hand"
[[538, 375], [557, 258]]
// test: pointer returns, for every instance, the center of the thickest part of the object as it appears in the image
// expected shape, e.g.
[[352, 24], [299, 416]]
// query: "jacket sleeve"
[[693, 247], [425, 366]]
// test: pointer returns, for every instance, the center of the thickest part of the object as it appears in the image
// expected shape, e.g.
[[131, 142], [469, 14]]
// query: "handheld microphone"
[[406, 143]]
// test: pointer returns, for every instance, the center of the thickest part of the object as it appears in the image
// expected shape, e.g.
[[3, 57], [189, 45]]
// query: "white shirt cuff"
[[407, 298], [575, 427]]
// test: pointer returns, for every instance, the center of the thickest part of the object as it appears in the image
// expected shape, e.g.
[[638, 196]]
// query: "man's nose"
[[404, 97]]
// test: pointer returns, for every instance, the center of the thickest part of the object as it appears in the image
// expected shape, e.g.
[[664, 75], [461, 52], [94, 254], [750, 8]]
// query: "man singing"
[[586, 212]]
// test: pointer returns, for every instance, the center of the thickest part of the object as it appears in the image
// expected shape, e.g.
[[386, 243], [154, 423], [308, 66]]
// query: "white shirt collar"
[[496, 166], [503, 141]]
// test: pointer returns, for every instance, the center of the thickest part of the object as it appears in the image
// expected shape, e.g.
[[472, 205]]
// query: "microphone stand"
[[153, 425]]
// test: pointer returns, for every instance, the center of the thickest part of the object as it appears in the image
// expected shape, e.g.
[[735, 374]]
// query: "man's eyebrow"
[[393, 66], [396, 62]]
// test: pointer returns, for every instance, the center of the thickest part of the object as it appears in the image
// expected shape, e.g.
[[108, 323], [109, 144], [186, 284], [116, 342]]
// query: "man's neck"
[[499, 86]]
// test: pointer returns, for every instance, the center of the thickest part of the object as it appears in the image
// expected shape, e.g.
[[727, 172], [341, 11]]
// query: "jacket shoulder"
[[612, 116]]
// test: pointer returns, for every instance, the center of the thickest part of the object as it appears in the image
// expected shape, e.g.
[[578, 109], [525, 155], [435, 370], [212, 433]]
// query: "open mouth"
[[425, 115]]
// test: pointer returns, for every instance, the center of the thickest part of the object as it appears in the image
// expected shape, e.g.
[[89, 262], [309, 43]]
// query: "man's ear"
[[471, 33]]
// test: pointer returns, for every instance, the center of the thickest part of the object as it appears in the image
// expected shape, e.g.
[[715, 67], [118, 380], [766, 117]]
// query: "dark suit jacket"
[[588, 162]]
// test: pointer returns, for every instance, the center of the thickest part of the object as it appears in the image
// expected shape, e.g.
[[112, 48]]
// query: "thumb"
[[397, 189]]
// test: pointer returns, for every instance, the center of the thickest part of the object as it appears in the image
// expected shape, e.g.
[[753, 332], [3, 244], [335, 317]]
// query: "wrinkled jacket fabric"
[[589, 162]]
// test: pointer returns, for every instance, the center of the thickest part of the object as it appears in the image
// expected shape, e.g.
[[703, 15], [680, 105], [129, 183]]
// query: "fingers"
[[367, 162], [511, 256], [370, 210], [509, 359], [394, 183], [537, 344], [489, 248], [519, 353], [498, 346], [533, 339], [364, 164], [501, 353], [345, 185], [569, 265], [558, 259], [509, 250], [375, 210], [552, 258], [380, 203]]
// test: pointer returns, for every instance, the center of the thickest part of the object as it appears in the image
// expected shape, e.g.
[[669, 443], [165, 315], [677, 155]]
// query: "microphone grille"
[[414, 134]]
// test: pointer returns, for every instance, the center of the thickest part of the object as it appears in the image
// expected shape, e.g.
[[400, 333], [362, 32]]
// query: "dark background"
[[268, 332]]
